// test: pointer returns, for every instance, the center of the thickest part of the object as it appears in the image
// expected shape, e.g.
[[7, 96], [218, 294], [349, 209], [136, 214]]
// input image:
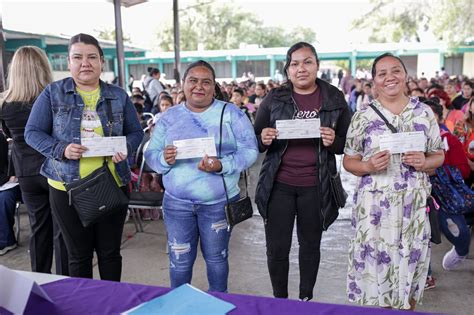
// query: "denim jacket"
[[55, 122]]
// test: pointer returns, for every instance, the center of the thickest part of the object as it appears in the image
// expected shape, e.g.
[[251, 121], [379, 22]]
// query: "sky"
[[330, 19]]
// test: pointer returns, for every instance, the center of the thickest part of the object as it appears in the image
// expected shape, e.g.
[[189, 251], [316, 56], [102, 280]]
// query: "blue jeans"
[[8, 199], [186, 224], [456, 230]]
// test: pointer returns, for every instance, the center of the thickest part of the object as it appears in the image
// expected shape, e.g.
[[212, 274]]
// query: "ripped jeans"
[[186, 224], [455, 228]]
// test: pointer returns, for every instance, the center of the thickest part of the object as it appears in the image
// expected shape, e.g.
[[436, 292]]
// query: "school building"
[[262, 62]]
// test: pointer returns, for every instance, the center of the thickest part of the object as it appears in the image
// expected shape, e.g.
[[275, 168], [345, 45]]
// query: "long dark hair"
[[376, 60], [469, 114], [294, 48], [154, 71], [86, 39]]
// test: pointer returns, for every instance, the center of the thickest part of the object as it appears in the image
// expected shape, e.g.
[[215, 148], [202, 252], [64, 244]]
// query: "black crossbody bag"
[[97, 195], [240, 210], [338, 192], [433, 211]]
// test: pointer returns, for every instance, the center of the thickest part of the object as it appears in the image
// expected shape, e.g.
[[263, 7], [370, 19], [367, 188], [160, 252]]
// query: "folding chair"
[[143, 199]]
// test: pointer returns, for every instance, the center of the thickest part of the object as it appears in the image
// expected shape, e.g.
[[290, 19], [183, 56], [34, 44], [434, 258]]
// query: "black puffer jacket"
[[334, 113]]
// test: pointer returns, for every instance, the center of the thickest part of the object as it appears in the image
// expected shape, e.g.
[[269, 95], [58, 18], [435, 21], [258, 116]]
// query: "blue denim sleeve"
[[247, 149], [154, 153], [131, 127], [39, 128]]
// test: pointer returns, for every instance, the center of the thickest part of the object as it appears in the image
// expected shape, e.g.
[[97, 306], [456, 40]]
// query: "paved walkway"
[[145, 261]]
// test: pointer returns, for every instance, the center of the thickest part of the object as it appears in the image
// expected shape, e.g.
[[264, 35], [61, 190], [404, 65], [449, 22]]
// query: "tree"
[[109, 34], [454, 21], [393, 21], [300, 34], [226, 26], [271, 36]]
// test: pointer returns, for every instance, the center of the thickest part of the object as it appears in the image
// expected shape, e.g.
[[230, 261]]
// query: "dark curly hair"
[[436, 107]]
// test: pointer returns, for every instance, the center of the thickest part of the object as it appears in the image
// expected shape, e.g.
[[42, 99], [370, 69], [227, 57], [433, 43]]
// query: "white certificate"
[[299, 128], [104, 146], [195, 148], [403, 142]]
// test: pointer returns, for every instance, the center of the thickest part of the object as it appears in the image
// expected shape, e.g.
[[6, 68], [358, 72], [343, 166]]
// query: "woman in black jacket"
[[29, 74], [295, 175]]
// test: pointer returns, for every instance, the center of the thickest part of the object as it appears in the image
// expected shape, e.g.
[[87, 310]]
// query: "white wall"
[[429, 64], [468, 64]]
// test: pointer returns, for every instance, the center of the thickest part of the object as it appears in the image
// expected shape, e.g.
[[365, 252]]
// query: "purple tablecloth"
[[85, 296]]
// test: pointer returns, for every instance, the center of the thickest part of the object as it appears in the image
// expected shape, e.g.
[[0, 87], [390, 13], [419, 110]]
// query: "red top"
[[467, 142], [455, 155]]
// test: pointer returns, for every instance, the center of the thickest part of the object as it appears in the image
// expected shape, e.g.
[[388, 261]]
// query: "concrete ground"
[[145, 261]]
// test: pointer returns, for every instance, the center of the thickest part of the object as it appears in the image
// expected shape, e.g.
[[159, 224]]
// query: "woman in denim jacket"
[[66, 112]]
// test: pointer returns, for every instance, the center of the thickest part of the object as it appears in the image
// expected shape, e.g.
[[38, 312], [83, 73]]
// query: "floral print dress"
[[389, 253]]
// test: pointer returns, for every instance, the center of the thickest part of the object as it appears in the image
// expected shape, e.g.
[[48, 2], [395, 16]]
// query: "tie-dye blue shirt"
[[183, 180]]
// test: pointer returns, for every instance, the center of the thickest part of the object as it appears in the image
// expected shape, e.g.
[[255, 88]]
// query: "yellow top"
[[90, 127]]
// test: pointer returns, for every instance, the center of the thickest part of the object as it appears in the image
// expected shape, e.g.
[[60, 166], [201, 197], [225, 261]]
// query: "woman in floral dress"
[[389, 252]]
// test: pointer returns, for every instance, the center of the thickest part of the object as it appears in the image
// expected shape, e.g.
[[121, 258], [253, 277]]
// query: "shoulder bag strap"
[[220, 149], [110, 119], [389, 125]]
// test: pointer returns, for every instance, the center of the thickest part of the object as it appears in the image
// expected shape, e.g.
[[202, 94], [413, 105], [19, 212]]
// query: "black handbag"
[[97, 195], [240, 210], [338, 192], [433, 214]]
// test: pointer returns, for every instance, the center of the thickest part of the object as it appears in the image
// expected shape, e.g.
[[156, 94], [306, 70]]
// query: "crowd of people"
[[389, 252]]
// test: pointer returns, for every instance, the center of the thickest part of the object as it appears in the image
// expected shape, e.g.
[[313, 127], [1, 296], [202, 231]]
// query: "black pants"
[[104, 237], [44, 228], [285, 203]]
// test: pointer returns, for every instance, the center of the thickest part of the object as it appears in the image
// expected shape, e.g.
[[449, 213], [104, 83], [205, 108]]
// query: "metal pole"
[[2, 56], [119, 44], [177, 59]]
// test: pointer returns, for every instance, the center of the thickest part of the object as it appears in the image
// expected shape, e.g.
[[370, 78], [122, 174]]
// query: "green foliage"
[[392, 21], [450, 21], [225, 26], [344, 64], [454, 21], [364, 64], [109, 34], [299, 34]]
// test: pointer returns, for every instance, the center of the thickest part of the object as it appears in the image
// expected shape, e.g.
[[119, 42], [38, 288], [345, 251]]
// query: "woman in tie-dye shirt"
[[194, 200]]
